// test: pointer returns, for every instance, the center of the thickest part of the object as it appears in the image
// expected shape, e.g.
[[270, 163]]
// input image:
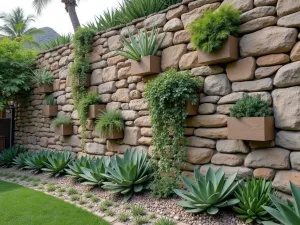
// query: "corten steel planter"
[[192, 110], [116, 135], [95, 110], [228, 53], [2, 114], [251, 128], [148, 65], [64, 129], [45, 88], [50, 110]]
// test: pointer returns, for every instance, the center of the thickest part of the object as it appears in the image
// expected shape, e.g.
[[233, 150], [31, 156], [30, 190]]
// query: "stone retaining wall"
[[269, 66]]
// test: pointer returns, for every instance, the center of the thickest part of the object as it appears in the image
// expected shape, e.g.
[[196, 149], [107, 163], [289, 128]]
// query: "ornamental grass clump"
[[42, 77], [50, 100], [211, 31], [253, 195], [167, 96], [109, 122], [209, 193], [141, 46], [62, 120], [251, 106]]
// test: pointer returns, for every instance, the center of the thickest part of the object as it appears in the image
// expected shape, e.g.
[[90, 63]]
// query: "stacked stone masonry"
[[269, 66]]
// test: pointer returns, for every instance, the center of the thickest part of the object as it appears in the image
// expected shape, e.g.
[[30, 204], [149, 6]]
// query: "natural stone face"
[[207, 121], [261, 144], [146, 141], [95, 148], [276, 158], [199, 155], [264, 2], [285, 7], [128, 29], [215, 133], [113, 146], [158, 20], [227, 159], [224, 109], [167, 39], [108, 87], [291, 20], [206, 70], [279, 39], [143, 121], [264, 173], [96, 77], [171, 56], [273, 59], [115, 42], [173, 25], [129, 114], [257, 85], [217, 85], [258, 13], [257, 24], [242, 5], [264, 72], [182, 36], [283, 99], [189, 60], [113, 106], [209, 99], [121, 95], [110, 74], [200, 142], [242, 172], [231, 146], [138, 104], [288, 139], [283, 178], [177, 12], [191, 16], [207, 108], [247, 65], [61, 100], [132, 135], [295, 53], [288, 75], [295, 160], [135, 94]]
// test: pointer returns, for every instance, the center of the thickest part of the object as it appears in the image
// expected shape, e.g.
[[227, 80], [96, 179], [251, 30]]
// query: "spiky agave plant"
[[37, 161], [19, 160], [132, 173], [208, 193], [94, 175], [58, 162], [8, 155], [253, 195], [74, 168]]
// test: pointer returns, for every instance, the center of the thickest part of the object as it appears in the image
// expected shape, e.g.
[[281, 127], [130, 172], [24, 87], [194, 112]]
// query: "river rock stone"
[[227, 159], [121, 95], [291, 20], [207, 70], [189, 60], [285, 7], [232, 146], [242, 5], [257, 85], [207, 121], [95, 148], [247, 65], [110, 74], [264, 173], [242, 172], [143, 121], [215, 133], [283, 178], [115, 42], [273, 59], [108, 87], [279, 39], [264, 2], [257, 24], [157, 20], [295, 53], [199, 155], [295, 160], [132, 135], [288, 139], [258, 12], [138, 104], [177, 12], [173, 25], [207, 108], [200, 142], [217, 85], [288, 75], [263, 72], [182, 36], [171, 56]]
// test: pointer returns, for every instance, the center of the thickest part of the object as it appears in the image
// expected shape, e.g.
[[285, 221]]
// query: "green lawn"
[[22, 206]]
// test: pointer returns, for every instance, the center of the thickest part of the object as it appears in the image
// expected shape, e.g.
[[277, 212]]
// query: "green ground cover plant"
[[109, 122], [41, 77], [61, 120]]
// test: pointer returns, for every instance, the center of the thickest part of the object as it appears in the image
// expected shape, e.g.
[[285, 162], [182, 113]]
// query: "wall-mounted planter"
[[228, 53], [87, 82], [95, 110], [2, 114], [251, 128], [45, 88], [148, 65], [192, 110], [64, 129], [50, 110], [116, 135]]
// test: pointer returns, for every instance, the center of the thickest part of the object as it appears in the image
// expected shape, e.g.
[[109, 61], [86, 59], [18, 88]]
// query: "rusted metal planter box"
[[251, 128], [192, 110], [228, 53], [148, 65], [46, 88], [116, 135], [64, 129], [50, 110], [95, 110]]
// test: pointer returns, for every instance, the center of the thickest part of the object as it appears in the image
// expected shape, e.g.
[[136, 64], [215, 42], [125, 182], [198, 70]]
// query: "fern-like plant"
[[109, 122], [61, 120], [41, 77], [210, 32], [250, 106]]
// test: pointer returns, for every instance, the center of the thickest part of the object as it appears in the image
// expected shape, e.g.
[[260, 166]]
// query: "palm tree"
[[16, 24], [70, 5]]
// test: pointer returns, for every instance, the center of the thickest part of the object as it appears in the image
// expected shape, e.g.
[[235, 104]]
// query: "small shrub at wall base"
[[250, 106], [210, 32], [109, 122], [167, 96], [62, 120], [42, 77]]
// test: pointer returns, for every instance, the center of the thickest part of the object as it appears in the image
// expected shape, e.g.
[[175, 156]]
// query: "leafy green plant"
[[74, 168], [72, 191], [253, 196], [61, 120], [143, 45], [58, 162], [105, 21], [163, 186], [167, 96], [82, 201], [89, 195], [105, 204], [109, 122], [250, 106], [164, 221], [132, 173], [123, 217], [94, 175], [75, 198], [50, 100], [51, 188], [41, 77], [138, 210], [210, 31], [141, 220], [61, 40], [208, 193], [19, 160], [94, 199], [7, 156], [37, 161], [287, 213], [110, 212]]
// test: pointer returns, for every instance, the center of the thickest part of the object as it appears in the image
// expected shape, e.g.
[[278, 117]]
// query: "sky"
[[55, 15]]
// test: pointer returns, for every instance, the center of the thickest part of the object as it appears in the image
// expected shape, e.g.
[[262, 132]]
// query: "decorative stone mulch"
[[91, 199]]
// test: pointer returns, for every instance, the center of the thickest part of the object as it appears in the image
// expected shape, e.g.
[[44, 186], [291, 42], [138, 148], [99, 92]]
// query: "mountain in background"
[[48, 35]]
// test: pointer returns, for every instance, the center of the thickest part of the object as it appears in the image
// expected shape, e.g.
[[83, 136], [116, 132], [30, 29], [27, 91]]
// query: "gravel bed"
[[161, 207]]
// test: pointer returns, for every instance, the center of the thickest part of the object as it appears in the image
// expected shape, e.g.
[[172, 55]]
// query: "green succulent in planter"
[[250, 106], [210, 32], [109, 122], [253, 195], [61, 120], [208, 193], [41, 77], [143, 45], [50, 100], [74, 168]]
